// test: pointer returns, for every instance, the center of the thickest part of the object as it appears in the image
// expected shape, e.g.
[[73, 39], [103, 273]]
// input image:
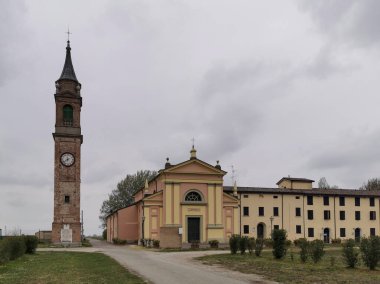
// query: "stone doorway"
[[326, 235], [193, 229], [261, 231]]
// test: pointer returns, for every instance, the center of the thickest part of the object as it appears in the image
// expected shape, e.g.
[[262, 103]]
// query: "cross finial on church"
[[193, 141], [68, 34]]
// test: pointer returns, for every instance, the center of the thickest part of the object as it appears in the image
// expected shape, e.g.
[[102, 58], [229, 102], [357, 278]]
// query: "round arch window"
[[193, 196]]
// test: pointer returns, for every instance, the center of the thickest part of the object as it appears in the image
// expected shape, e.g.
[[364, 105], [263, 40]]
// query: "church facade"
[[188, 203], [184, 203]]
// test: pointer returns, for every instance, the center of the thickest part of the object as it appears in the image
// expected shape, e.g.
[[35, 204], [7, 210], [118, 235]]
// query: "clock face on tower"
[[67, 159]]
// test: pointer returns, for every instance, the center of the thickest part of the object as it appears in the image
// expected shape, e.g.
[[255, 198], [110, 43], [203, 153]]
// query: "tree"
[[370, 248], [372, 184], [122, 195], [322, 183], [350, 254], [279, 243]]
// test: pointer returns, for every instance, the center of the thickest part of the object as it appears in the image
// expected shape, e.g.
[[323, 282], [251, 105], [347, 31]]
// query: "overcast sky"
[[274, 88]]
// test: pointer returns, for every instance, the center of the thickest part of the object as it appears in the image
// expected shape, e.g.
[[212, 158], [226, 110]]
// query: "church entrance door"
[[193, 229]]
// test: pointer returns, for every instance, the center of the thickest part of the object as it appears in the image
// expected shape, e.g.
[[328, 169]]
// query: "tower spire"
[[68, 69]]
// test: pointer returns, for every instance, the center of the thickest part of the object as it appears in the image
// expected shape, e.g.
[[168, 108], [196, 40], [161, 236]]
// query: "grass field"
[[330, 270], [65, 267]]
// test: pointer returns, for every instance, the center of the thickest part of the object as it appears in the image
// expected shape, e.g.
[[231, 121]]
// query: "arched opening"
[[68, 115], [357, 234], [261, 231], [193, 196], [326, 235]]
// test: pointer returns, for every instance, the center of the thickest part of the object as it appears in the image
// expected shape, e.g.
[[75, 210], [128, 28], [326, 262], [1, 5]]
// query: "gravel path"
[[169, 267]]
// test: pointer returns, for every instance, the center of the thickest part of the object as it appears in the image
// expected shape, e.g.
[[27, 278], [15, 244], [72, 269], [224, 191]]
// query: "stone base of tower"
[[67, 234]]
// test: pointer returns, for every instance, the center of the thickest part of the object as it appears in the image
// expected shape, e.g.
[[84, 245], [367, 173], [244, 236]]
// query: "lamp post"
[[271, 227]]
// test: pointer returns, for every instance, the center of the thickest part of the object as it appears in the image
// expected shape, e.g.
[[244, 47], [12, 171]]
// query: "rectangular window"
[[245, 211], [326, 200], [310, 232], [372, 201], [245, 195], [298, 229], [357, 215], [372, 215], [342, 232], [275, 211], [357, 201], [275, 196], [297, 197], [309, 200], [246, 229], [310, 214], [67, 199], [372, 232], [326, 214], [276, 227], [298, 211], [342, 215], [261, 211], [342, 201]]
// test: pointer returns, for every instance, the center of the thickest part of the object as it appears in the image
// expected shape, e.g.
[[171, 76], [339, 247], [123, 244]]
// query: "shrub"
[[156, 243], [303, 244], [268, 243], [11, 248], [31, 243], [243, 244], [251, 245], [316, 250], [259, 247], [336, 241], [350, 254], [214, 243], [370, 249], [234, 243], [117, 241], [288, 243], [297, 242], [104, 234], [279, 243]]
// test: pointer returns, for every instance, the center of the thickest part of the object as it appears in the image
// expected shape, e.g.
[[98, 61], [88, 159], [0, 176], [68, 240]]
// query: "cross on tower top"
[[68, 34]]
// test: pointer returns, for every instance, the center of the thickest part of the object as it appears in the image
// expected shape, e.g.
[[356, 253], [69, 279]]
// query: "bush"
[[268, 243], [104, 234], [336, 241], [31, 243], [214, 243], [370, 248], [350, 254], [303, 244], [243, 244], [156, 243], [316, 250], [12, 248], [234, 243], [297, 242], [279, 243], [117, 241], [251, 245], [259, 247]]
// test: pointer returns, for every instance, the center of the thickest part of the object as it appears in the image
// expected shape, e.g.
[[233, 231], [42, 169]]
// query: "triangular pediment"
[[227, 198], [154, 197], [195, 166]]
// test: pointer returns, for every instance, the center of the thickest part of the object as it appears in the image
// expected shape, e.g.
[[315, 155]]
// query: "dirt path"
[[174, 267]]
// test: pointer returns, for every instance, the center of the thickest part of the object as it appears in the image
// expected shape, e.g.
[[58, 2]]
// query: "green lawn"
[[330, 270], [65, 267]]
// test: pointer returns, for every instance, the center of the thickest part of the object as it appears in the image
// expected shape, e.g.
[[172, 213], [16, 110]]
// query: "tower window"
[[68, 115], [67, 199]]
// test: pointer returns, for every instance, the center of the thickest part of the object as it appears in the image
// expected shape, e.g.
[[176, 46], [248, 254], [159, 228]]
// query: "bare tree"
[[372, 184], [122, 195], [323, 184]]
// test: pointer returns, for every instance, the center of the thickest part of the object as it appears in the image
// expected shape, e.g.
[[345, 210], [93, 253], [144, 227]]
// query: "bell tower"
[[66, 227]]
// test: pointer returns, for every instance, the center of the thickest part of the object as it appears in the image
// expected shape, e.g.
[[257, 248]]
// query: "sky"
[[272, 88]]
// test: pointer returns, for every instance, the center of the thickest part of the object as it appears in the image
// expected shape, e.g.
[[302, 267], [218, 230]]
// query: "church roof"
[[68, 69]]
